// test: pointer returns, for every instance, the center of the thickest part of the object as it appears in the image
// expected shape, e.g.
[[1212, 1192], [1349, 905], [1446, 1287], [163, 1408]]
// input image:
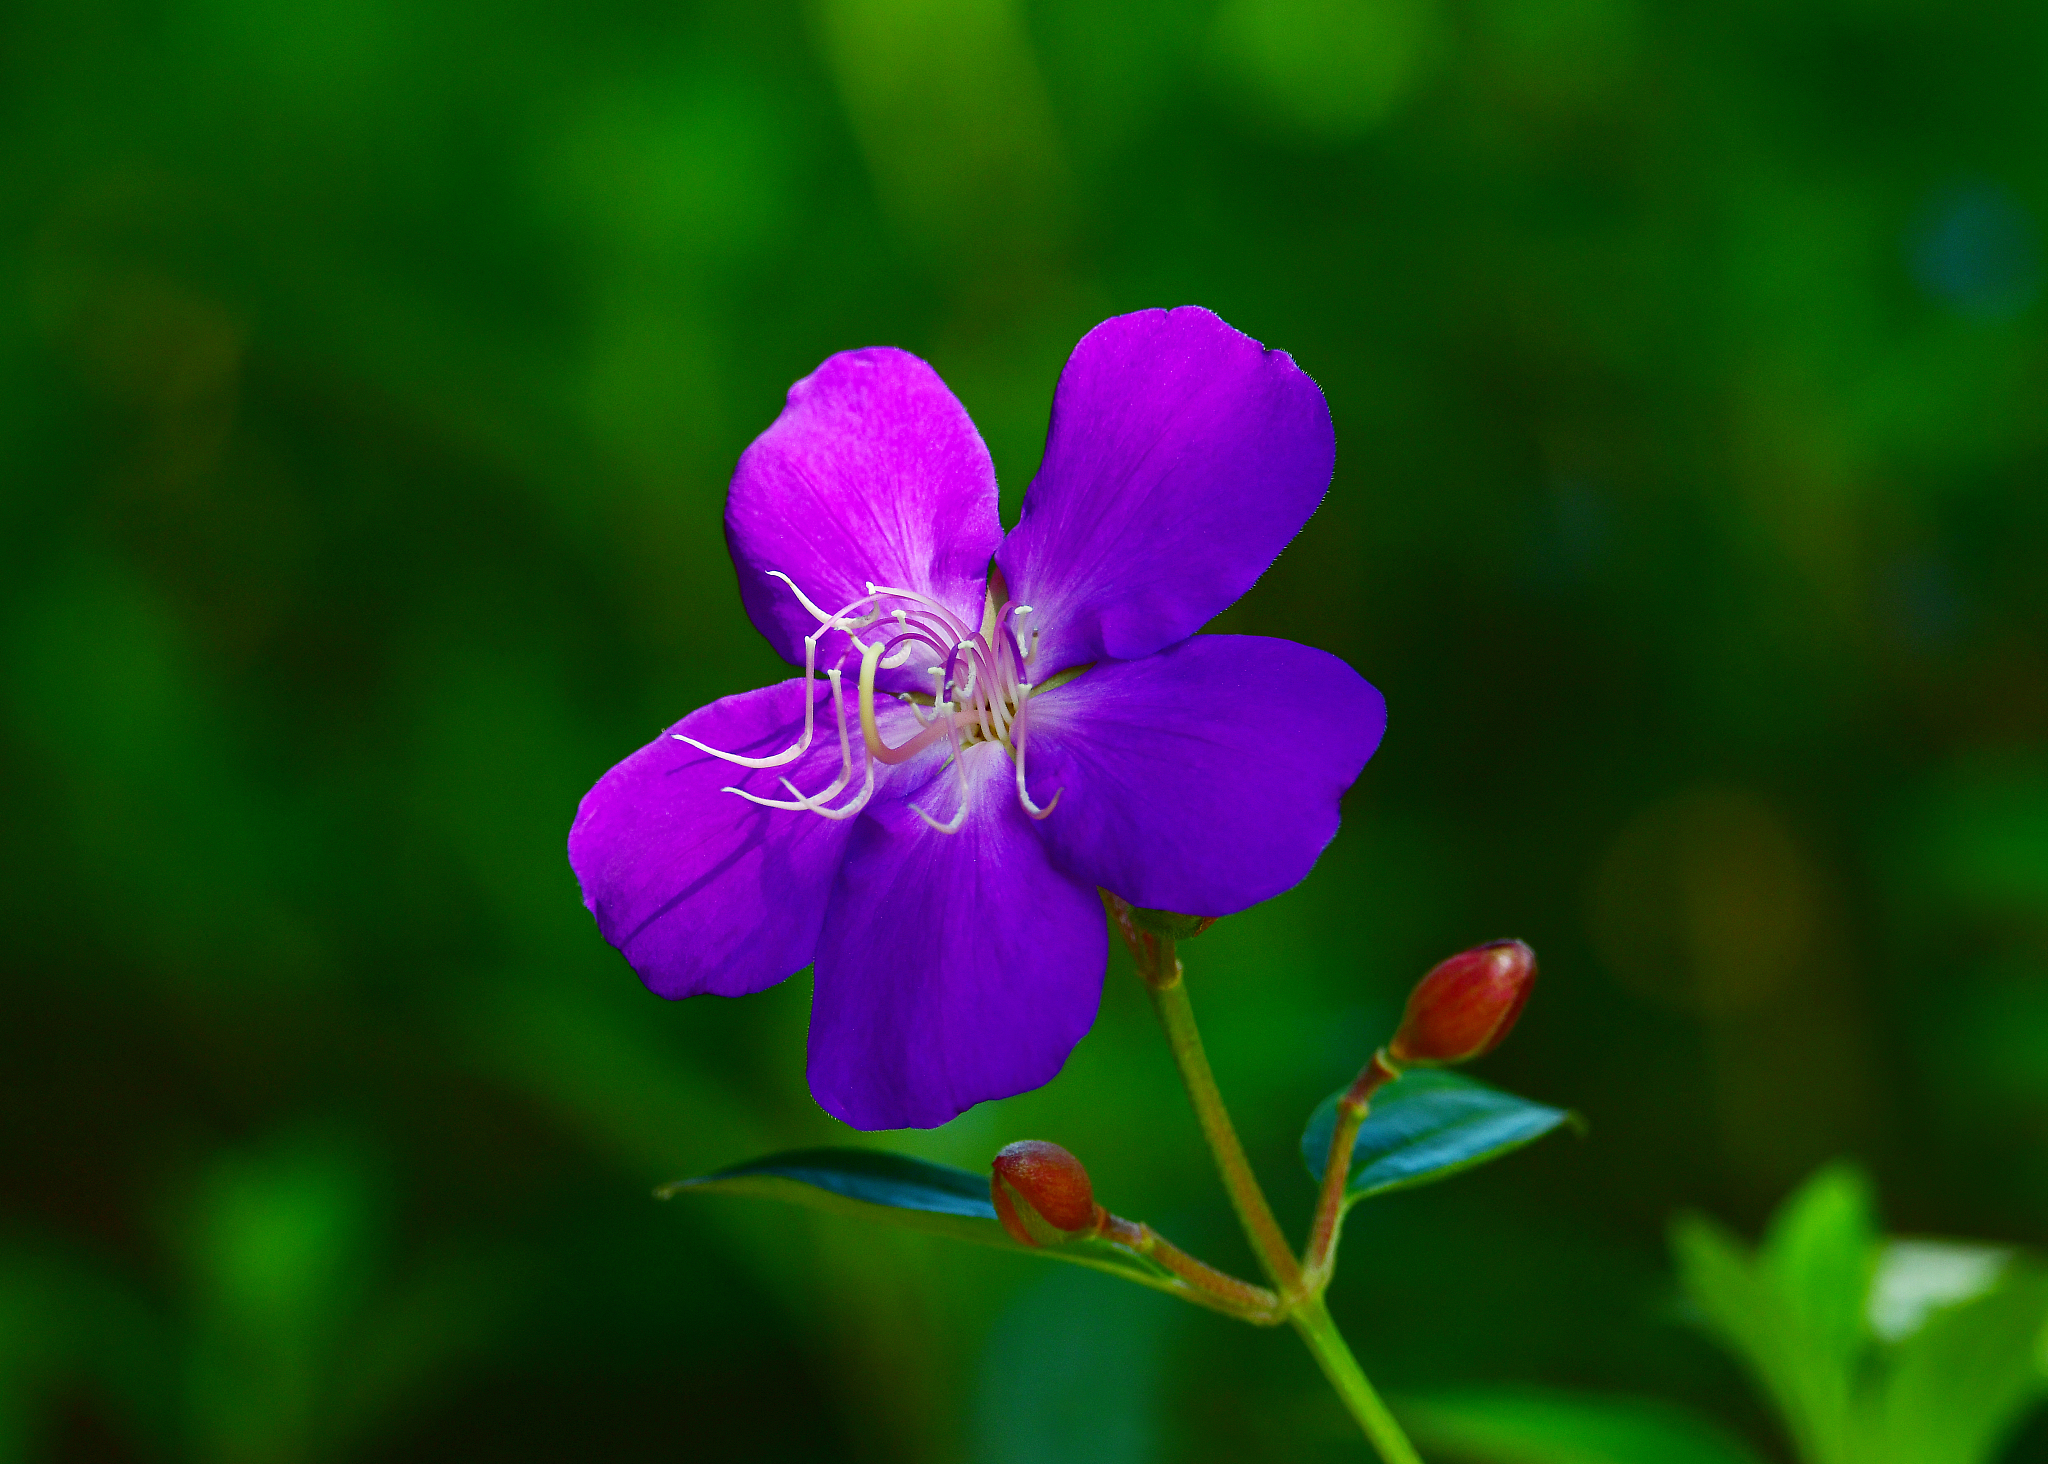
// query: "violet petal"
[[1203, 779], [702, 891], [1181, 458], [953, 968], [873, 472]]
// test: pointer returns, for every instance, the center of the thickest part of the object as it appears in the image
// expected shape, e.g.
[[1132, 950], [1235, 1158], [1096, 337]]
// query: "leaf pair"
[[1427, 1126]]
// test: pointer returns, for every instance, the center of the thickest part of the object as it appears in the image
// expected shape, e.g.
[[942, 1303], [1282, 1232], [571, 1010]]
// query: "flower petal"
[[1203, 779], [873, 472], [1181, 458], [953, 968], [702, 891]]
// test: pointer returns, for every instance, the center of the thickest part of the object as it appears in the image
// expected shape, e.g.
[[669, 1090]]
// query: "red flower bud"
[[1042, 1194], [1466, 1006]]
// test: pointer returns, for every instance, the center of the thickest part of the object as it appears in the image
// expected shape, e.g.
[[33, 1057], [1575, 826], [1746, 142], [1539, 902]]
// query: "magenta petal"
[[702, 891], [953, 968], [1203, 779], [1181, 458], [873, 472]]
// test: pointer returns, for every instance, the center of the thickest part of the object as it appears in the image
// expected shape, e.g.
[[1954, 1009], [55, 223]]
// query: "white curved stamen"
[[801, 598], [944, 616], [973, 669], [981, 690], [803, 743], [871, 734], [1023, 738], [952, 825], [811, 803], [1026, 610], [814, 803], [858, 801]]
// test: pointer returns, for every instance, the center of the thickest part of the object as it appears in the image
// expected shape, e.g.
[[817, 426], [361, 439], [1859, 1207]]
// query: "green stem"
[[1170, 1000], [1312, 1319], [1301, 1296], [1207, 1285], [1319, 1261]]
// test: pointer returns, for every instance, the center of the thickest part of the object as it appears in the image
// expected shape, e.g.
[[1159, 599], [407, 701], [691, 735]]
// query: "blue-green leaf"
[[910, 1193], [864, 1182], [1426, 1127]]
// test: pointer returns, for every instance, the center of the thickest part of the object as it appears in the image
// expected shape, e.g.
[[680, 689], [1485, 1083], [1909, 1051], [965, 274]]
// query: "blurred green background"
[[370, 374]]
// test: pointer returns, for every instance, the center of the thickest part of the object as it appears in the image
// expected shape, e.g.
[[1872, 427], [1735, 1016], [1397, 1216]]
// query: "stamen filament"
[[1023, 738], [803, 743], [980, 694], [810, 804], [952, 825], [870, 733]]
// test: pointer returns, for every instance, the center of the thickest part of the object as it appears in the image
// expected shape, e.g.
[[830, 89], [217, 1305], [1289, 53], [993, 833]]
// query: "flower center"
[[981, 692]]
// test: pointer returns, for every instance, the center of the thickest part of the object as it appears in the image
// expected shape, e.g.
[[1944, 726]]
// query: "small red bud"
[[1466, 1006], [1042, 1194]]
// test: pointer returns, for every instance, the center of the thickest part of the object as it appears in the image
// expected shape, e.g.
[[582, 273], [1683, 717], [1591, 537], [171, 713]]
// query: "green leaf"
[[1795, 1313], [1740, 1306], [1529, 1426], [896, 1189], [1426, 1127], [1820, 1251], [1959, 1383]]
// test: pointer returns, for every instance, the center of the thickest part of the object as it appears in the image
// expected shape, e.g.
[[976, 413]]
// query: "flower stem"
[[1312, 1319], [1207, 1285], [1320, 1260], [1300, 1298], [1170, 1000]]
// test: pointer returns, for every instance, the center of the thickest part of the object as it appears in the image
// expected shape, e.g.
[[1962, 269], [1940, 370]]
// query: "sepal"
[[1169, 924]]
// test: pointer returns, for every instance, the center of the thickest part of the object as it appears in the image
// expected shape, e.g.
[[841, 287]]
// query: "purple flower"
[[928, 824]]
